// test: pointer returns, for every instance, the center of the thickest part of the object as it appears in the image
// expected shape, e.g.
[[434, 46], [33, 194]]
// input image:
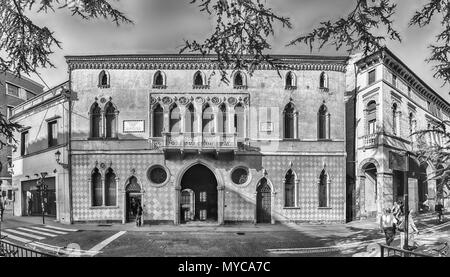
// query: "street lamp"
[[58, 159], [42, 188], [406, 200]]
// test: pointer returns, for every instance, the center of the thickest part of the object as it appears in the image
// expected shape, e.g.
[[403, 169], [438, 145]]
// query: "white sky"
[[161, 25]]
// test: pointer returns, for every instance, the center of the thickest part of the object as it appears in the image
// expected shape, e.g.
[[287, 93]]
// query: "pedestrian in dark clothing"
[[439, 209], [139, 213], [2, 208]]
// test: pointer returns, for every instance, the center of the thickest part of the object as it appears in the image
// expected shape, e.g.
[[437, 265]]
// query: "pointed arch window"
[[239, 120], [289, 189], [158, 121], [199, 80], [291, 81], [97, 189], [290, 121], [324, 188], [103, 79], [323, 122], [189, 119], [208, 119], [159, 80], [223, 119], [111, 120], [239, 80], [371, 117], [323, 81], [110, 188], [95, 115], [175, 119]]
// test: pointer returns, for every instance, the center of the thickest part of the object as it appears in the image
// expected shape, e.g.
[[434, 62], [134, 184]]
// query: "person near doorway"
[[412, 231], [2, 208], [29, 206], [387, 225], [439, 210], [426, 204], [139, 212], [396, 211]]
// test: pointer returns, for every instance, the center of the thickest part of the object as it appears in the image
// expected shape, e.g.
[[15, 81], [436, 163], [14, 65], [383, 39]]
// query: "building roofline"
[[397, 59], [28, 79]]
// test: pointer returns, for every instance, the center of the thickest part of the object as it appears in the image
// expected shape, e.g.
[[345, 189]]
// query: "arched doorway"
[[371, 196], [133, 198], [263, 202], [200, 186]]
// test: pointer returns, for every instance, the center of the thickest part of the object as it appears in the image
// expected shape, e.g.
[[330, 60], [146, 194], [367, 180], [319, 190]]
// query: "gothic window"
[[97, 190], [158, 79], [324, 181], [290, 81], [110, 188], [223, 119], [238, 79], [323, 80], [411, 123], [239, 117], [158, 121], [133, 185], [96, 120], [189, 119], [371, 117], [175, 119], [289, 121], [198, 79], [111, 120], [103, 79], [323, 122], [289, 189], [208, 119]]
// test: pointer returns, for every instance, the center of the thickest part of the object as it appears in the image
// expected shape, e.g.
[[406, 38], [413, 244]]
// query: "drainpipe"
[[69, 147]]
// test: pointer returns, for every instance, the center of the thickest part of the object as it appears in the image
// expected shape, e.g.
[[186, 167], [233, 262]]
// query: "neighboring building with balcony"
[[392, 103], [163, 131], [44, 132], [13, 91]]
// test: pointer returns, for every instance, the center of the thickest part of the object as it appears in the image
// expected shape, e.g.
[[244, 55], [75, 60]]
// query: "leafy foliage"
[[356, 32], [7, 130], [240, 36]]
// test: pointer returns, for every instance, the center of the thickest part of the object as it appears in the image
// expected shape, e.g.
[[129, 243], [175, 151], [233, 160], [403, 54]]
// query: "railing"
[[8, 249], [370, 140], [389, 251], [200, 140]]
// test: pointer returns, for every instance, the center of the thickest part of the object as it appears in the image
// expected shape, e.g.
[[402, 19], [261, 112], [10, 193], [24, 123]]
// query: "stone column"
[[176, 202], [230, 120], [413, 194], [183, 119], [360, 197], [296, 125], [221, 204], [385, 192], [167, 121]]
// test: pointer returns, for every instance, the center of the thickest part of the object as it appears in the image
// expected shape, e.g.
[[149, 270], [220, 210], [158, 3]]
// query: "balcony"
[[218, 142], [370, 140]]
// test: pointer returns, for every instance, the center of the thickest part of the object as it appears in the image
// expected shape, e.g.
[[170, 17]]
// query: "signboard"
[[266, 126], [397, 161], [133, 126]]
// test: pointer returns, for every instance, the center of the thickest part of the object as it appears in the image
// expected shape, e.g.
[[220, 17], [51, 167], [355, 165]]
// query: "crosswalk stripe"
[[25, 234], [61, 229], [38, 232], [48, 230], [11, 236]]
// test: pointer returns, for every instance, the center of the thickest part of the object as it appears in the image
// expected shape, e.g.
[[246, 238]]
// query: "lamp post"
[[42, 188], [406, 200]]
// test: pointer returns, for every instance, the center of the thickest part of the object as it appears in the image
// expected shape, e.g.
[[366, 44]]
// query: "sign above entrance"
[[397, 161], [133, 126]]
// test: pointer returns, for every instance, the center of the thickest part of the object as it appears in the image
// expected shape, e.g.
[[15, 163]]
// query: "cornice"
[[199, 62]]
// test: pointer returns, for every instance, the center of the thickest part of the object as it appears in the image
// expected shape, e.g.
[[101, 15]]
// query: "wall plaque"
[[265, 126], [133, 126]]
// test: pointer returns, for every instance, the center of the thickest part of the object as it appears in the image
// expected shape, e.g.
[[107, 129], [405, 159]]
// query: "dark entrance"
[[33, 201], [133, 198], [263, 202], [200, 186]]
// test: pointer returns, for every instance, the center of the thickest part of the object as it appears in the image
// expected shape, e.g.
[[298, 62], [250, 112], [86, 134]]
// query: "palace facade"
[[312, 142]]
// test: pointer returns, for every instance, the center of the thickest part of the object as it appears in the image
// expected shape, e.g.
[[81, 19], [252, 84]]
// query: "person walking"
[[139, 212], [439, 210], [29, 205], [2, 208], [387, 225], [396, 210], [412, 231]]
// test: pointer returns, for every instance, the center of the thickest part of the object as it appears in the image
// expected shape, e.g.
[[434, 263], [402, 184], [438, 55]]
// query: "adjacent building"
[[13, 91]]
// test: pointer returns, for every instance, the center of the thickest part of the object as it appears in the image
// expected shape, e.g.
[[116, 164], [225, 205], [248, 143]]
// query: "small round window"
[[239, 176], [157, 175]]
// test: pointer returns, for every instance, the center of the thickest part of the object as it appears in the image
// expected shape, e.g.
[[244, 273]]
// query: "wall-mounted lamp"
[[58, 159]]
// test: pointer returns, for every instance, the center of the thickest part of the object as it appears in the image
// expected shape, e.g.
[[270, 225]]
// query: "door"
[[133, 202], [263, 204]]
